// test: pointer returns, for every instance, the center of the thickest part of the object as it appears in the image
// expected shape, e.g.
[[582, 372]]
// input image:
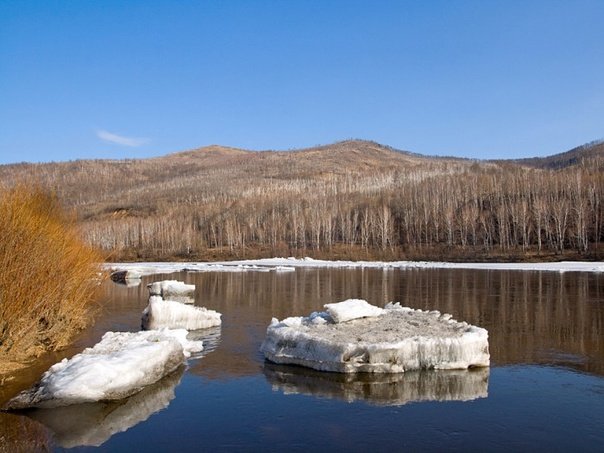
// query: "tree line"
[[491, 208]]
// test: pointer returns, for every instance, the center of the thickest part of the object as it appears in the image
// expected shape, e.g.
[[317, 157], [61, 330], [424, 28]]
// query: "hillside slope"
[[370, 199], [99, 186]]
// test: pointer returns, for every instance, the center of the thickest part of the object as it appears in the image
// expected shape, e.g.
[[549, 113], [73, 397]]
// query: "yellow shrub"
[[47, 275]]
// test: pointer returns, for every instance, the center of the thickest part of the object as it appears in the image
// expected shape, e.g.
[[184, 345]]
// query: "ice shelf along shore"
[[132, 270], [120, 365], [354, 336]]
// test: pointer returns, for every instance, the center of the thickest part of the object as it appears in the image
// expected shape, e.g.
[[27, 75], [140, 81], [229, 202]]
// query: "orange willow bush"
[[47, 275]]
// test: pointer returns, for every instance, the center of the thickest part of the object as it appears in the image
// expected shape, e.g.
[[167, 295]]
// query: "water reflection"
[[210, 338], [21, 434], [92, 424], [539, 318], [381, 389], [532, 317]]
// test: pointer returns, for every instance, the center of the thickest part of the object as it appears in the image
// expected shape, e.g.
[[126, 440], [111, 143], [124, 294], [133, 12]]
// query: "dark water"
[[543, 392]]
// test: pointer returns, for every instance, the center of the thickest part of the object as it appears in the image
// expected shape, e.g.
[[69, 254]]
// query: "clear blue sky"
[[118, 79]]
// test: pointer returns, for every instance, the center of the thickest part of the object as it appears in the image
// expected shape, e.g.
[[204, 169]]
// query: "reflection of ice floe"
[[210, 338], [94, 423], [370, 339], [20, 434], [176, 315], [120, 365], [381, 389]]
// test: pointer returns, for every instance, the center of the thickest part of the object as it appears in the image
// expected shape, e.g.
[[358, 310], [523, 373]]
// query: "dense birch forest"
[[355, 198]]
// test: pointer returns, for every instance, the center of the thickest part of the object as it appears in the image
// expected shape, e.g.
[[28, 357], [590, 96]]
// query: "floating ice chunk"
[[120, 365], [173, 290], [398, 340], [175, 315], [285, 269], [127, 277], [382, 389], [352, 309]]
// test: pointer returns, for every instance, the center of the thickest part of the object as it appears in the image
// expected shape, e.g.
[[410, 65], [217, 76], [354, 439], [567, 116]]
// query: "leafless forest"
[[353, 199]]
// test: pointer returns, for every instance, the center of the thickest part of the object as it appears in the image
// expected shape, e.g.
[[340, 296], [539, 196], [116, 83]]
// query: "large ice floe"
[[120, 365], [354, 336]]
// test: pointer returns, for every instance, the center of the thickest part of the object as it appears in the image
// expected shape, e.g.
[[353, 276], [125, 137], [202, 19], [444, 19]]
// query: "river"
[[543, 391]]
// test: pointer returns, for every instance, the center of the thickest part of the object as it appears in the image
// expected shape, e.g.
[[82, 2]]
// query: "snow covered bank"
[[120, 365], [92, 424], [383, 389], [396, 340], [290, 264], [170, 314]]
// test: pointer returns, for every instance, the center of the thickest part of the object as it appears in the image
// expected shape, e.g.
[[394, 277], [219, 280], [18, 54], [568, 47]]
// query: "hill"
[[584, 154], [99, 186], [348, 198]]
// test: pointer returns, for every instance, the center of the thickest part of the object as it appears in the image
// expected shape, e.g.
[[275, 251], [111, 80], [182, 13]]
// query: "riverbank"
[[337, 252]]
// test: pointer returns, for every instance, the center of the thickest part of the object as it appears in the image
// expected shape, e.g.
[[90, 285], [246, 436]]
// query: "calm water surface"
[[544, 390]]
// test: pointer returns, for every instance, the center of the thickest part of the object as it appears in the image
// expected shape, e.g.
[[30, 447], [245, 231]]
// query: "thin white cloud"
[[120, 139]]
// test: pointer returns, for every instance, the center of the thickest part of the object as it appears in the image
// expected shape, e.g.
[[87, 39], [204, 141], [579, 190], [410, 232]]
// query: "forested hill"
[[580, 155], [353, 198]]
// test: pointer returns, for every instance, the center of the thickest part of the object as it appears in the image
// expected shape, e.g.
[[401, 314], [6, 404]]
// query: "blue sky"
[[129, 79]]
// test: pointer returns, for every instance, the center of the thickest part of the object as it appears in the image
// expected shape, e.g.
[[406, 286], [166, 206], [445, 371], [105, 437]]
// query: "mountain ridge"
[[345, 148]]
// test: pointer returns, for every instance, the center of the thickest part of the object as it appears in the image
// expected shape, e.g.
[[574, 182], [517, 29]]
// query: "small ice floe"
[[126, 277], [173, 290], [363, 339], [120, 365], [284, 269], [381, 389], [170, 314]]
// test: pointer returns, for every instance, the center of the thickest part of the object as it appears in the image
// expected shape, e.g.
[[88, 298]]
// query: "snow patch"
[[352, 309]]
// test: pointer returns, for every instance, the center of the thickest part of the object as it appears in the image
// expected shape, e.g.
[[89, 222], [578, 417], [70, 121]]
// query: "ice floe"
[[128, 277], [171, 314], [381, 389], [396, 340], [173, 290], [120, 365]]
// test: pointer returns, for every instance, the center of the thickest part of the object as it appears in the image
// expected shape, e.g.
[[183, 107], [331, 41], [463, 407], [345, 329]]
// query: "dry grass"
[[47, 275]]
